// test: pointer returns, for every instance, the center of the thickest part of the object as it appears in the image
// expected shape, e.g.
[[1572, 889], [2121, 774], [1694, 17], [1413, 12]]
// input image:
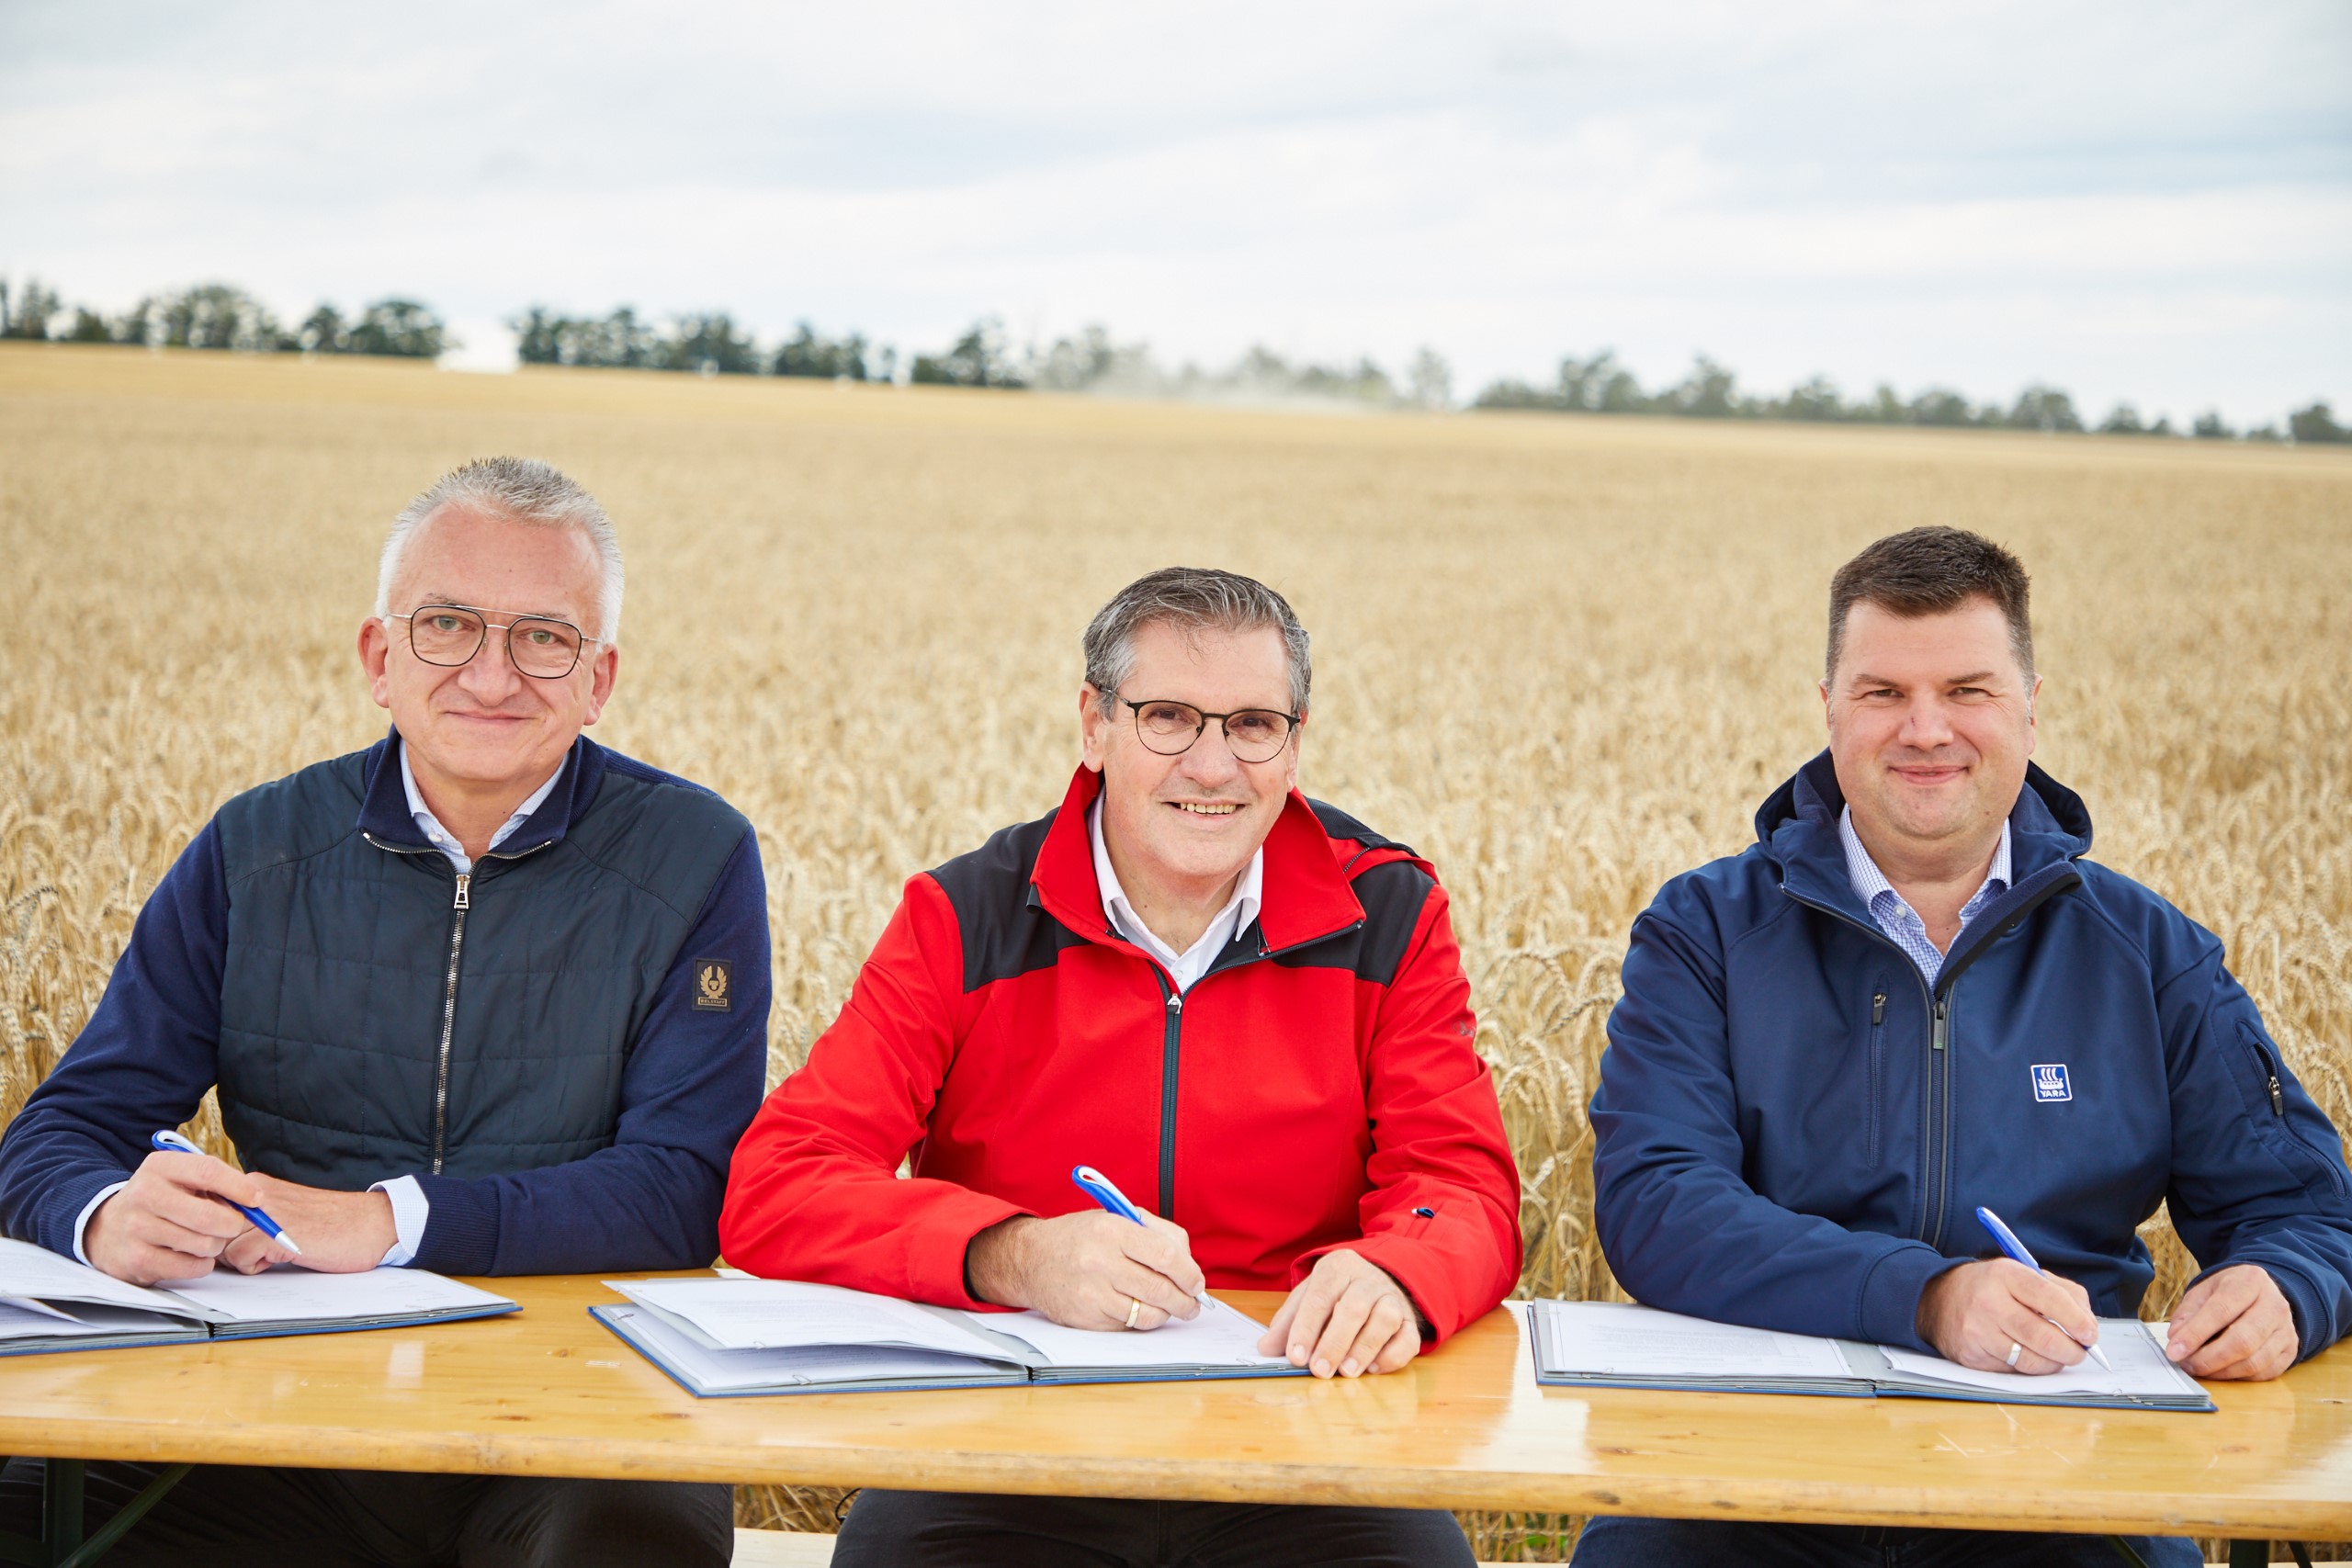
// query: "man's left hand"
[[1348, 1317], [2234, 1325], [340, 1232]]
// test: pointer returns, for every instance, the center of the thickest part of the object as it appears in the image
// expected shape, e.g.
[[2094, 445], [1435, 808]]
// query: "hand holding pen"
[[173, 1143], [2015, 1251], [1111, 1267]]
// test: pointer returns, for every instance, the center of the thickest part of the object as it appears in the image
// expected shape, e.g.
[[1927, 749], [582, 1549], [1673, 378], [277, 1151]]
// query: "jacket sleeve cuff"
[[89, 1207], [461, 1226], [939, 1238], [2304, 1300], [1418, 1272], [1887, 1310]]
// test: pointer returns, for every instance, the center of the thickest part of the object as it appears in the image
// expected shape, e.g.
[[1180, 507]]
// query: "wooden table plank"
[[549, 1392]]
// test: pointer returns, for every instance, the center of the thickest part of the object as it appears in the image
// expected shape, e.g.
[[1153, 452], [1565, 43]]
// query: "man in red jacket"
[[1244, 1008]]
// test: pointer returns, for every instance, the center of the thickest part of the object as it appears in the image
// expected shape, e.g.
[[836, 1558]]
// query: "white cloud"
[[2152, 203]]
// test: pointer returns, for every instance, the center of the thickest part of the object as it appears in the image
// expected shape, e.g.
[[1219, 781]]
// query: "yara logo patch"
[[2050, 1082]]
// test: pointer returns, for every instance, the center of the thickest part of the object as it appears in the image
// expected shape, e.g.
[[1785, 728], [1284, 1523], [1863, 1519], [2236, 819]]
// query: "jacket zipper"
[[459, 904], [449, 1017], [1172, 1051], [1877, 1077], [1170, 1046], [1937, 1163]]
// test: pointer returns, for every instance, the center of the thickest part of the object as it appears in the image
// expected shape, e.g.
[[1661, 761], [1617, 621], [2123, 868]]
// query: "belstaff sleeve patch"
[[713, 990]]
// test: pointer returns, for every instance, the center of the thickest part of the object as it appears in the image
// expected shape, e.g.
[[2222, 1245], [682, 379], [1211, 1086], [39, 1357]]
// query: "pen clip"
[[171, 1143]]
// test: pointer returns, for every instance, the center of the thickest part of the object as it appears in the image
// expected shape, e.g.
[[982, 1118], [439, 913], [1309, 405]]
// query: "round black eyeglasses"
[[1253, 735]]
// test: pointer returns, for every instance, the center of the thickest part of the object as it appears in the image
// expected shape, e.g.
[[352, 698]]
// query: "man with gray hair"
[[1245, 1008], [485, 998]]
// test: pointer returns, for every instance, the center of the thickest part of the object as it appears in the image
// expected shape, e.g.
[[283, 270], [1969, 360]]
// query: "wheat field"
[[1563, 657]]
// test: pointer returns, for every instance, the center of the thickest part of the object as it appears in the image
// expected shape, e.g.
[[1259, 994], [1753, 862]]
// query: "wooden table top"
[[550, 1391]]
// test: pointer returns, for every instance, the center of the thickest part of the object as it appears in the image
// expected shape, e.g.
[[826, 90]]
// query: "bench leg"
[[63, 1542], [60, 1507], [130, 1513]]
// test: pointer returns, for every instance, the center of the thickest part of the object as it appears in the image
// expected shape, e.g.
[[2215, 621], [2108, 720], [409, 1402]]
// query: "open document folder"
[[1607, 1345], [47, 1302], [741, 1335]]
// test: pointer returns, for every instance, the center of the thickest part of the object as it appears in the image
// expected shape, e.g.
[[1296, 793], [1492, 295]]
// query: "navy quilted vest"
[[370, 1026]]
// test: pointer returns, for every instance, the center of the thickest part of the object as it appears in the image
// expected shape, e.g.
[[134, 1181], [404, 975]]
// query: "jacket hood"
[[1796, 830]]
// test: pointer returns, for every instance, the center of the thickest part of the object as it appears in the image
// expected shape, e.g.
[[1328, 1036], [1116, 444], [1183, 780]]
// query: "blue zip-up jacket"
[[1793, 1130], [564, 1059]]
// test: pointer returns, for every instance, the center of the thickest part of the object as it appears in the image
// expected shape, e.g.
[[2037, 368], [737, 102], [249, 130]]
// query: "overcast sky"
[[2149, 201]]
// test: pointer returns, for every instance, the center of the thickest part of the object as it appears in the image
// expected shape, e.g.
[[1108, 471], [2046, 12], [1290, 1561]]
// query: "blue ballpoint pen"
[[171, 1143], [2009, 1243], [1097, 1186]]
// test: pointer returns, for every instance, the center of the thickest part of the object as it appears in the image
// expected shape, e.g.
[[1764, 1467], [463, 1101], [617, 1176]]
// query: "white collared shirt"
[[1188, 966], [1894, 916], [441, 839]]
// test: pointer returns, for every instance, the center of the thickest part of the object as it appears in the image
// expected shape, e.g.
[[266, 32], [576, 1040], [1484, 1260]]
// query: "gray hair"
[[1191, 598], [522, 490]]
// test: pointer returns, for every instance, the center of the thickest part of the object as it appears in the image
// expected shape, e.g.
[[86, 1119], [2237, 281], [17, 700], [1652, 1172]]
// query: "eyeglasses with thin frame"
[[541, 646], [1170, 729]]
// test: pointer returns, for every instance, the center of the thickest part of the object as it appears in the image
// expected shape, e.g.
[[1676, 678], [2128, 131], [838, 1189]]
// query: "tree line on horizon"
[[221, 316]]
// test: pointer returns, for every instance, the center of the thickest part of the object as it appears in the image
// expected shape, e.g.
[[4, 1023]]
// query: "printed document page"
[[720, 1372], [288, 1293], [1610, 1339], [26, 1270], [31, 1320], [2142, 1369], [768, 1315], [1219, 1337]]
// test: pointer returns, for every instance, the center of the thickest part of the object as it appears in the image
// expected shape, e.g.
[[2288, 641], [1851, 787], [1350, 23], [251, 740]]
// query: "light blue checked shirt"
[[1897, 918]]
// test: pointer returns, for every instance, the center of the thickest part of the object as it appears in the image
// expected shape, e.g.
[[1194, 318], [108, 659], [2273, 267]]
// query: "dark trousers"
[[242, 1517], [1667, 1543], [947, 1530]]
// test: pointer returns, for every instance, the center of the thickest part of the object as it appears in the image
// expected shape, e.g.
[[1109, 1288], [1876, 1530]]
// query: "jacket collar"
[[1305, 899], [1796, 830], [384, 814]]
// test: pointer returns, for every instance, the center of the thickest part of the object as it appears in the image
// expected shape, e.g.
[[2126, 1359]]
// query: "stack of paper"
[[1604, 1344], [744, 1335], [47, 1302]]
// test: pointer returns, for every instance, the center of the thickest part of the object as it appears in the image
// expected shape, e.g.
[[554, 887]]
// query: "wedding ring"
[[1134, 1310], [2016, 1349]]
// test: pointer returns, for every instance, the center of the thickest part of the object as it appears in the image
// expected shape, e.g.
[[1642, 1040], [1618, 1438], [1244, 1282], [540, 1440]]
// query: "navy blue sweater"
[[650, 1200], [1784, 1137]]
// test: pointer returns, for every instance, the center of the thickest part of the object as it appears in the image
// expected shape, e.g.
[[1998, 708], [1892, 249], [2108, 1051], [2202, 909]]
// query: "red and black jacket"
[[1316, 1089]]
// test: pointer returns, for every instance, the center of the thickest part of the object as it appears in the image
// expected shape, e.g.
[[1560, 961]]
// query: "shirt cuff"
[[410, 1209], [82, 1220]]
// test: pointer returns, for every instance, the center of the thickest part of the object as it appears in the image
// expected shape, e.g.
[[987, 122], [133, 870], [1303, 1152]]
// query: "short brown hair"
[[1193, 598], [1932, 572]]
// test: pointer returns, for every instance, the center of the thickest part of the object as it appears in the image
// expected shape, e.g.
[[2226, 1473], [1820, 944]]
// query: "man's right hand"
[[1083, 1269], [1974, 1312], [171, 1221]]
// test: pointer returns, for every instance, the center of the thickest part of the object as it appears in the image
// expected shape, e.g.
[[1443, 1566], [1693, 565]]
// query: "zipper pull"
[[1175, 1001], [1878, 1007], [2277, 1100], [465, 890], [1944, 1027]]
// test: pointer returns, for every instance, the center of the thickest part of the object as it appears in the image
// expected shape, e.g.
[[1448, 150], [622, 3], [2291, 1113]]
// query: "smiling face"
[[1186, 826], [1930, 723], [482, 727]]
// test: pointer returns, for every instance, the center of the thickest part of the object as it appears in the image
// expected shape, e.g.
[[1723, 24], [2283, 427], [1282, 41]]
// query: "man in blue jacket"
[[485, 998], [1913, 995]]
